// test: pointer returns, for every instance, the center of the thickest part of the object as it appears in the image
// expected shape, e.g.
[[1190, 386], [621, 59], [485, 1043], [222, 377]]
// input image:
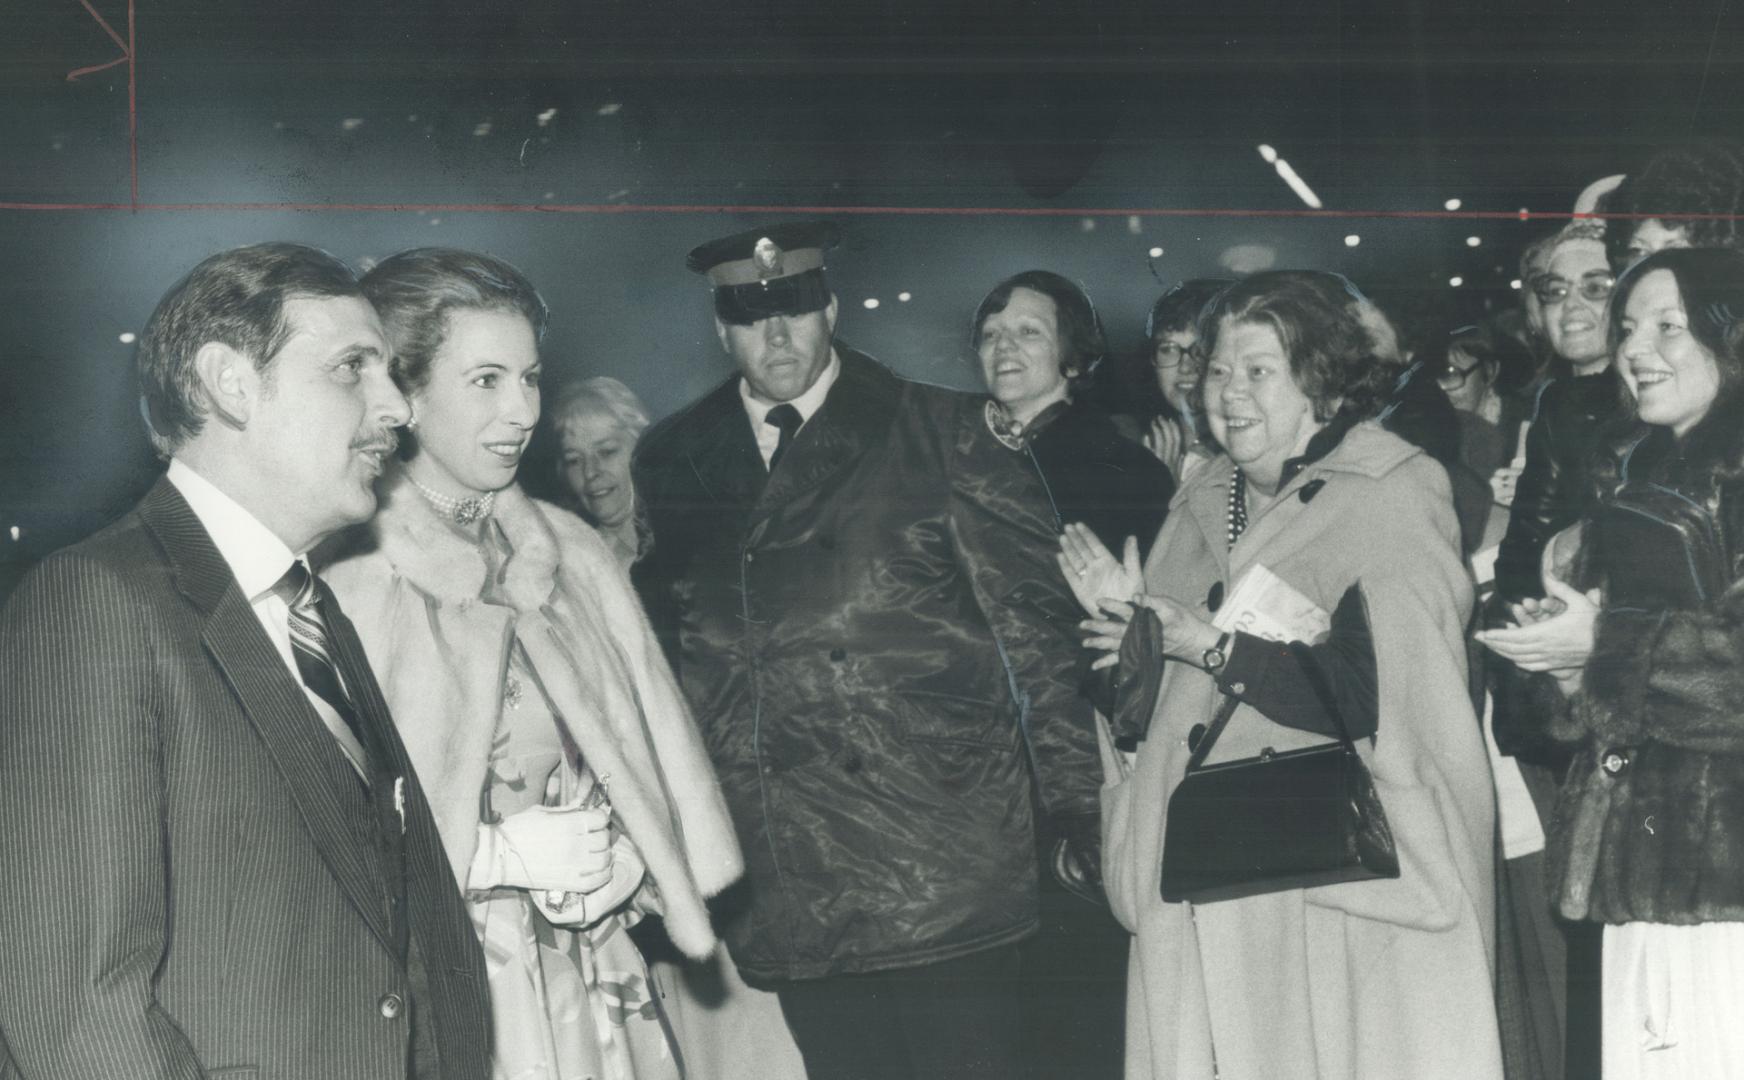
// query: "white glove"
[[585, 909], [565, 848]]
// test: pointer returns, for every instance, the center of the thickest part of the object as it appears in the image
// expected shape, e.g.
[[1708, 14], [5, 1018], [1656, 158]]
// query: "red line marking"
[[128, 57], [107, 29], [898, 211]]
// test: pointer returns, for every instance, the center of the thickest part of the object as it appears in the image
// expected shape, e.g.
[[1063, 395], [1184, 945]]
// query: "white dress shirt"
[[259, 559], [768, 435]]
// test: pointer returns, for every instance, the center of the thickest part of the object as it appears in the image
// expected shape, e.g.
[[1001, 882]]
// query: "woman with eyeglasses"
[[1552, 491], [1177, 434], [1636, 670]]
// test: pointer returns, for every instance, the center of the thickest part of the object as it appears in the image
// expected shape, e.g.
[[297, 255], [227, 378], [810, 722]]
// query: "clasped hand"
[[1108, 590], [558, 848], [1552, 635]]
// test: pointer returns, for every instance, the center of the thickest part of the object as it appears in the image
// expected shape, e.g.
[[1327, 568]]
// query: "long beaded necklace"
[[465, 511], [1237, 507]]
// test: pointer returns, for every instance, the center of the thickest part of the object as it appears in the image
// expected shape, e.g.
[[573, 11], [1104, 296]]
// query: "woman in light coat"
[[532, 697], [1373, 979]]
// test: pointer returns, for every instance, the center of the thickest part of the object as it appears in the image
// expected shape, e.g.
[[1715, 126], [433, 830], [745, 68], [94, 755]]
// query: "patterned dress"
[[568, 1004]]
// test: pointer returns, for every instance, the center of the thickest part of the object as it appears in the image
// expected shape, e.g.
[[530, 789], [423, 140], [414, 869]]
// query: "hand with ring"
[[1092, 571]]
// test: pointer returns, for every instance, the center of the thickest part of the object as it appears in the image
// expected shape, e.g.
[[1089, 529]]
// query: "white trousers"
[[1674, 1001]]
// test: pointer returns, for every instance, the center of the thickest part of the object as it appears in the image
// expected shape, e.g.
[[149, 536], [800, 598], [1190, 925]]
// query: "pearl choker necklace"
[[464, 511]]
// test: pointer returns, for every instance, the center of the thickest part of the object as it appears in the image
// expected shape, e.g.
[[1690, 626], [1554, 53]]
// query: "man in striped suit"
[[215, 860]]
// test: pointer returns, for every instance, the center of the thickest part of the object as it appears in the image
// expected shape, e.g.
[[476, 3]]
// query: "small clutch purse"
[[1279, 821]]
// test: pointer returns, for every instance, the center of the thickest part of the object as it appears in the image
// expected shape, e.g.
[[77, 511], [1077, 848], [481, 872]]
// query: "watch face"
[[1214, 657]]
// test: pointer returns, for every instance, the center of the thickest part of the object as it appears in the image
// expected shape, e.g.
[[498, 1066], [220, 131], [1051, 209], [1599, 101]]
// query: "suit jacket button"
[[1614, 761], [391, 1006]]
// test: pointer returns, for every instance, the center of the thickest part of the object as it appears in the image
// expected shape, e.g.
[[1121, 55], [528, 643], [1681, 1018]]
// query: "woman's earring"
[[412, 422]]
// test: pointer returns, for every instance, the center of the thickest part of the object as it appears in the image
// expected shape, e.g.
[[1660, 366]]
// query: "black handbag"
[[1279, 821]]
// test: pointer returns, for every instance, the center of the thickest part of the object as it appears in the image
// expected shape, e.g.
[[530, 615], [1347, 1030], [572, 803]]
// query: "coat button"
[[391, 1006], [1614, 761], [1214, 598], [838, 654]]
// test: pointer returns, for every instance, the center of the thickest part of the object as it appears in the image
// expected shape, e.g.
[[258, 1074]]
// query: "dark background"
[[1078, 114]]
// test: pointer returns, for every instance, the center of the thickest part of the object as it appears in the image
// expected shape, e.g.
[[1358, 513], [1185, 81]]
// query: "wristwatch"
[[1214, 657]]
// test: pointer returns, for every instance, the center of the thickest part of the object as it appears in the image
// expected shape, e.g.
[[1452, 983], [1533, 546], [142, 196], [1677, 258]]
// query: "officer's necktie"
[[787, 418], [313, 651]]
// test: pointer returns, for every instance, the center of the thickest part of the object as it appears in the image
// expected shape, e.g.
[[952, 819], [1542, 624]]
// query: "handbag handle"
[[1322, 690], [1316, 679]]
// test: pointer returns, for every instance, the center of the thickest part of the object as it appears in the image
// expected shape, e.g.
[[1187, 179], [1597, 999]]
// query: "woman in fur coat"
[[1364, 980], [1640, 650], [571, 791]]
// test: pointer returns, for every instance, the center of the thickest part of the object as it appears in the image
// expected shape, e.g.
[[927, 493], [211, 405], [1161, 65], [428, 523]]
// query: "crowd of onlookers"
[[769, 752]]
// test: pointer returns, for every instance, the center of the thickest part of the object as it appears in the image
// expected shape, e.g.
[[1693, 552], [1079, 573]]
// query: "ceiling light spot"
[[1156, 253], [870, 303], [483, 129], [610, 109], [128, 337], [1249, 258], [1352, 240], [351, 123], [547, 116], [1473, 241], [904, 297], [1456, 282], [1453, 204]]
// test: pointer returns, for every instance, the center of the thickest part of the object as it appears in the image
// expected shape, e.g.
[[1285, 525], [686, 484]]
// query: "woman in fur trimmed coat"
[[571, 791], [1640, 651]]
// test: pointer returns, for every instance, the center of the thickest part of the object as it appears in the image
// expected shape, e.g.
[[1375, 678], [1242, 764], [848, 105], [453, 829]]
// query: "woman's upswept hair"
[[600, 395], [1710, 285], [416, 290], [1314, 313], [1082, 343]]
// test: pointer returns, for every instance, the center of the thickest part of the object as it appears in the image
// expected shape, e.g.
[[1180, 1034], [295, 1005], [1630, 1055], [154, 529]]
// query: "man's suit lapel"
[[854, 416], [281, 715], [724, 456]]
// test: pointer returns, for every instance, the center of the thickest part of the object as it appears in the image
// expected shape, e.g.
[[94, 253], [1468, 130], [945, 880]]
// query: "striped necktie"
[[313, 651]]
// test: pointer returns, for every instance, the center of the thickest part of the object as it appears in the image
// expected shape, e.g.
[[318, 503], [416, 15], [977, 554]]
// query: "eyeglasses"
[[1452, 377], [1169, 356], [1595, 286]]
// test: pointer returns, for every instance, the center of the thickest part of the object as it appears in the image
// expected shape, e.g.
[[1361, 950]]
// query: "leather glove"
[[1077, 855], [566, 848], [585, 909]]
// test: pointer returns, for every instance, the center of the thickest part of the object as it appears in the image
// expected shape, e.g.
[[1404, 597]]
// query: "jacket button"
[[838, 654], [391, 1006], [1195, 736], [1614, 761]]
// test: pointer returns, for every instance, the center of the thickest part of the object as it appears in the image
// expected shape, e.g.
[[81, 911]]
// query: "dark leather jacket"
[[1554, 489], [869, 636]]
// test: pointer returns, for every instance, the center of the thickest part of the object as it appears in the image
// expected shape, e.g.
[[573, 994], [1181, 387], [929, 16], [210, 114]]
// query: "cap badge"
[[767, 258]]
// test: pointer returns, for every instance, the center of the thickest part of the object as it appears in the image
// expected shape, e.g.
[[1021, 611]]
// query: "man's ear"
[[229, 382], [721, 332], [830, 313]]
